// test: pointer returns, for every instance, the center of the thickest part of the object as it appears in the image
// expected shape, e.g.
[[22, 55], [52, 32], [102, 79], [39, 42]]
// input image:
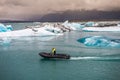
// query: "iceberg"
[[89, 24], [112, 28], [29, 32], [52, 29], [3, 28], [73, 25], [9, 27], [99, 41], [6, 28]]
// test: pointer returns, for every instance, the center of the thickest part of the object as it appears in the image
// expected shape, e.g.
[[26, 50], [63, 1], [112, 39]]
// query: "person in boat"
[[53, 51]]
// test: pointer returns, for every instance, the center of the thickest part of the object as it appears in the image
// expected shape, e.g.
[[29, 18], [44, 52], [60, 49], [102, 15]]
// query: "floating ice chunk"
[[73, 26], [52, 29], [77, 26], [6, 28], [99, 41], [9, 27], [66, 22], [3, 28], [114, 28], [29, 32], [89, 24]]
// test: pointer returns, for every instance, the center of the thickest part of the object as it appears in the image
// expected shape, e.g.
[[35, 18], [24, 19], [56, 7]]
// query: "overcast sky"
[[23, 9]]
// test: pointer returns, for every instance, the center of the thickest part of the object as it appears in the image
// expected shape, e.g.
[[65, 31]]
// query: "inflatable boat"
[[59, 56]]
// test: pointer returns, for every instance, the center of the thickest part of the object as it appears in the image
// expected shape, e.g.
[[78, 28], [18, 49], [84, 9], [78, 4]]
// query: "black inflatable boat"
[[49, 55]]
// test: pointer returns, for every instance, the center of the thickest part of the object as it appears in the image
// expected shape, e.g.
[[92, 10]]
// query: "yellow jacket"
[[53, 50]]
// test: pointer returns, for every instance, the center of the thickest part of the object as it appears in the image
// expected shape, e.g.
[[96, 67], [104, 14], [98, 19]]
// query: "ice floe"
[[99, 41], [6, 28], [112, 28], [29, 32]]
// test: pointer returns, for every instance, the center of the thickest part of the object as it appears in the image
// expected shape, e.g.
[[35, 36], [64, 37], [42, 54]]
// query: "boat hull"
[[49, 55]]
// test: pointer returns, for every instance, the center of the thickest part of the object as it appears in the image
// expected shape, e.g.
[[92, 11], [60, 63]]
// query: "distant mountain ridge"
[[84, 15], [81, 15]]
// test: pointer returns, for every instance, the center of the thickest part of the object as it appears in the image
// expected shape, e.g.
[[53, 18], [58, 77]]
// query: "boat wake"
[[95, 58]]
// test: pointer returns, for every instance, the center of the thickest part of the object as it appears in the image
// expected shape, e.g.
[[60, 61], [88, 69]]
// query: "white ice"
[[112, 28]]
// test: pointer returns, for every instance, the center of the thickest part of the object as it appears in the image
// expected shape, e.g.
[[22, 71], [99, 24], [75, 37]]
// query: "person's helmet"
[[53, 48]]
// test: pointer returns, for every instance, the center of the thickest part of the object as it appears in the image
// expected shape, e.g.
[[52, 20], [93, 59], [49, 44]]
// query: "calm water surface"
[[19, 59]]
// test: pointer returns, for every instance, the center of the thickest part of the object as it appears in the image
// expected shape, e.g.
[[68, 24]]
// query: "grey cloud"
[[22, 9], [14, 3]]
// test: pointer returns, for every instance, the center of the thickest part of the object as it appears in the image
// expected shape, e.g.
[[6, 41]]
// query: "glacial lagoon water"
[[19, 59]]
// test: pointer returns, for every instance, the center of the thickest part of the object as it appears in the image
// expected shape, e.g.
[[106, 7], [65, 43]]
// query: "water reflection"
[[6, 41]]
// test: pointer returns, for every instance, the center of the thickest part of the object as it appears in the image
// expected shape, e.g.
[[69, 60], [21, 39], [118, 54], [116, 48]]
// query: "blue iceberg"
[[6, 28], [9, 27], [89, 24], [3, 28], [99, 41], [73, 25], [77, 26]]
